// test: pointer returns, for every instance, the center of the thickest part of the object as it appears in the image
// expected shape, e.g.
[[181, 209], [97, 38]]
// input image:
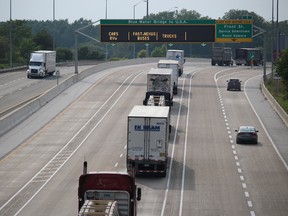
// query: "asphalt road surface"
[[208, 173]]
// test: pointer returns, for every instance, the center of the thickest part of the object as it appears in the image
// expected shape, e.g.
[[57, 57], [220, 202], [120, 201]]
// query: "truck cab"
[[111, 191], [42, 63]]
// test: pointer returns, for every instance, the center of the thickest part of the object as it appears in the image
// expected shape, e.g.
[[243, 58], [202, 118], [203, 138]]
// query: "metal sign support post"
[[78, 31]]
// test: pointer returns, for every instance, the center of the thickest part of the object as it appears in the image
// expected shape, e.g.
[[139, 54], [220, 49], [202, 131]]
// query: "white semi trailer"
[[147, 140]]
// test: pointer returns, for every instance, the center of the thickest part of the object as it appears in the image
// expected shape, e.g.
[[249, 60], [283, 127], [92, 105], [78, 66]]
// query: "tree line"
[[30, 35]]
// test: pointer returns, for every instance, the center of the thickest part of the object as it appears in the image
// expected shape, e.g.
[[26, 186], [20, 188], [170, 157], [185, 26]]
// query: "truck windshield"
[[33, 63]]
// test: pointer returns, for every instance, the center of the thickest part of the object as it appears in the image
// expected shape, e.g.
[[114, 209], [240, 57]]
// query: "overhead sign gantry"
[[176, 31]]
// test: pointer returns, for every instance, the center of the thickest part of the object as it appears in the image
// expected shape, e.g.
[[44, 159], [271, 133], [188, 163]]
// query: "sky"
[[95, 10]]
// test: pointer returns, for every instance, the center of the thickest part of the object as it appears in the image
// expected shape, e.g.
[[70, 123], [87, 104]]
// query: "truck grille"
[[34, 71]]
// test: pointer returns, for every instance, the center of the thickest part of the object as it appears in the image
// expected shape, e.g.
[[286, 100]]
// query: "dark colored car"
[[247, 134], [234, 84]]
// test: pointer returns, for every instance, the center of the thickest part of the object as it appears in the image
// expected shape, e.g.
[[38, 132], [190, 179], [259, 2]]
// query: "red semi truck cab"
[[118, 188]]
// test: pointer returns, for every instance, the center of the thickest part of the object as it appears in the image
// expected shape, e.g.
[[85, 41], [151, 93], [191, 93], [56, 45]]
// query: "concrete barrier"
[[17, 116], [278, 109]]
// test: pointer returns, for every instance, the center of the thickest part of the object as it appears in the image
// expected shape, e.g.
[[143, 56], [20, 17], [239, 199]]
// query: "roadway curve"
[[208, 173]]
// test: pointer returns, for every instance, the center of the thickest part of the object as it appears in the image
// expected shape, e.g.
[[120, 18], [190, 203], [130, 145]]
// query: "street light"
[[54, 26], [134, 6], [106, 45], [106, 11], [172, 9], [147, 7], [10, 33]]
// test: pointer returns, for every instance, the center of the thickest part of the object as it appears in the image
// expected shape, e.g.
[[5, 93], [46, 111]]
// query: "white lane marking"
[[250, 203], [116, 164], [185, 147], [172, 156], [172, 153], [262, 124], [64, 162]]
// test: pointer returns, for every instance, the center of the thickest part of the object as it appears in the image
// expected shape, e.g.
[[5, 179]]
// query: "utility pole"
[[147, 8], [54, 25], [10, 33], [106, 45]]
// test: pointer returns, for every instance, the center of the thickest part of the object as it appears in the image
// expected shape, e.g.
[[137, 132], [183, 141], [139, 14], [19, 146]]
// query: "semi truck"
[[159, 84], [42, 63], [147, 140], [249, 56], [107, 193], [167, 63], [177, 55], [222, 56]]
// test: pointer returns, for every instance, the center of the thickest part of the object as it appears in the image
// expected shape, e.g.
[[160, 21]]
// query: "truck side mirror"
[[139, 193]]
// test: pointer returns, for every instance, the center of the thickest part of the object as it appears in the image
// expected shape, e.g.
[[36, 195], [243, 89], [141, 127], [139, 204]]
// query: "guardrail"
[[13, 69]]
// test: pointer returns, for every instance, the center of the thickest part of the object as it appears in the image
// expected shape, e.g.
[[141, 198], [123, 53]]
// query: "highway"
[[16, 89], [208, 173]]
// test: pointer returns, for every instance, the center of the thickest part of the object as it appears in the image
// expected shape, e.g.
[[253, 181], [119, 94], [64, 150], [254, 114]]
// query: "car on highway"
[[247, 134], [234, 84]]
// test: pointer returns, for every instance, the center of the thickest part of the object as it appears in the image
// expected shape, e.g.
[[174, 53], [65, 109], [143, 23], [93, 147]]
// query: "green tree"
[[159, 51], [282, 69], [44, 40], [64, 54], [142, 53], [83, 53]]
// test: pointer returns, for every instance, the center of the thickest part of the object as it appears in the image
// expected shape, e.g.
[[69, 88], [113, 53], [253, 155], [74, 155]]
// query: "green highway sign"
[[234, 31], [156, 22]]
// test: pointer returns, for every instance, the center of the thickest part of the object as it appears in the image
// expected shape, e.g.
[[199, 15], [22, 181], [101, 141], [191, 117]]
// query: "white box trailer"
[[159, 83], [147, 140], [174, 65], [177, 55]]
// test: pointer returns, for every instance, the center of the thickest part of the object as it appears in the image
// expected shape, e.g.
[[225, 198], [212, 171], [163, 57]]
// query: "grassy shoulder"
[[280, 95]]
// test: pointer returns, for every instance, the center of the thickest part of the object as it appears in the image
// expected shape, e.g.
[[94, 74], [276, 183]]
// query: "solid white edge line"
[[262, 124]]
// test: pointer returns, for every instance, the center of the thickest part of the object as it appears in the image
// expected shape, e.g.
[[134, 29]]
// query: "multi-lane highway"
[[208, 173]]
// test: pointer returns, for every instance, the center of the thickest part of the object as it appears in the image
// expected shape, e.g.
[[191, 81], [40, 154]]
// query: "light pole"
[[10, 33], [54, 26], [106, 11], [147, 7], [106, 45], [172, 9], [277, 45], [134, 6]]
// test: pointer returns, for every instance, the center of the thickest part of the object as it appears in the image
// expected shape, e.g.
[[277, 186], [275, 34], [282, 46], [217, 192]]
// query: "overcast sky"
[[124, 9]]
